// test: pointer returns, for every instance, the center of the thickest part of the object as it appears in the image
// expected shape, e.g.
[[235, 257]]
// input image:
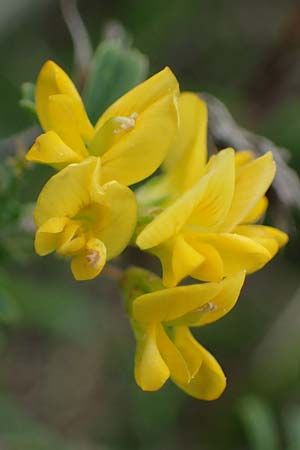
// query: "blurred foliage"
[[66, 367], [12, 118], [259, 423], [16, 227], [18, 430]]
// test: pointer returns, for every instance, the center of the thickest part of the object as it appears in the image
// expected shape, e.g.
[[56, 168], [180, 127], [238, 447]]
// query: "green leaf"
[[115, 69], [259, 423], [12, 118], [28, 97]]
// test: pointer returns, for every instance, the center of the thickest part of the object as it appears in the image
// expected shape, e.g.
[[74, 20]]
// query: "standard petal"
[[170, 304], [252, 181], [209, 382], [50, 149], [52, 80], [65, 124], [68, 191], [143, 96], [216, 201], [258, 211], [186, 158], [171, 355], [89, 262], [172, 219], [238, 252], [202, 206], [150, 371], [141, 150], [122, 217]]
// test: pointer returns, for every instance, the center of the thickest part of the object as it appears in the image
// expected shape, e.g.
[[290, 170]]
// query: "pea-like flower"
[[205, 214], [79, 217], [132, 136], [166, 348]]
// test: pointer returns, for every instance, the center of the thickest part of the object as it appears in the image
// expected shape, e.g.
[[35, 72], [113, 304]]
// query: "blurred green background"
[[66, 350]]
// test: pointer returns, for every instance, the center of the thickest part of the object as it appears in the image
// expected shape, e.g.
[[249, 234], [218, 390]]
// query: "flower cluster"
[[198, 216]]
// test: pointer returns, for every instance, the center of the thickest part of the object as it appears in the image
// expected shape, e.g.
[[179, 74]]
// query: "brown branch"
[[81, 41], [225, 132]]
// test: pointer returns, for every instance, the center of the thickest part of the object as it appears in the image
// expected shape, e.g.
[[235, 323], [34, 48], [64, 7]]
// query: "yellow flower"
[[165, 346], [186, 159], [206, 229], [132, 136], [80, 218]]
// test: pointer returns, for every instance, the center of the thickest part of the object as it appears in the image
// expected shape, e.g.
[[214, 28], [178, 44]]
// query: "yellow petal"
[[216, 201], [271, 238], [141, 150], [50, 149], [142, 96], [65, 124], [238, 252], [172, 356], [172, 219], [48, 236], [189, 348], [258, 211], [217, 307], [71, 241], [170, 304], [122, 217], [178, 260], [212, 267], [68, 191], [243, 157], [202, 206], [72, 247], [223, 302], [151, 372], [252, 181], [109, 134], [89, 262], [187, 157], [53, 80], [209, 382]]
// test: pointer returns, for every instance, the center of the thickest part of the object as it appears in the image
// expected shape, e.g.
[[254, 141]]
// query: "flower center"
[[91, 217]]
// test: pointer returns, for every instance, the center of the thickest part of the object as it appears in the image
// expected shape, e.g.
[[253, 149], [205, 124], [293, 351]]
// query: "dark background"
[[66, 350]]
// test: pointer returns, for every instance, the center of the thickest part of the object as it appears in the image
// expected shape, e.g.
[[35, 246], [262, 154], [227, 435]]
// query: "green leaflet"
[[115, 69]]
